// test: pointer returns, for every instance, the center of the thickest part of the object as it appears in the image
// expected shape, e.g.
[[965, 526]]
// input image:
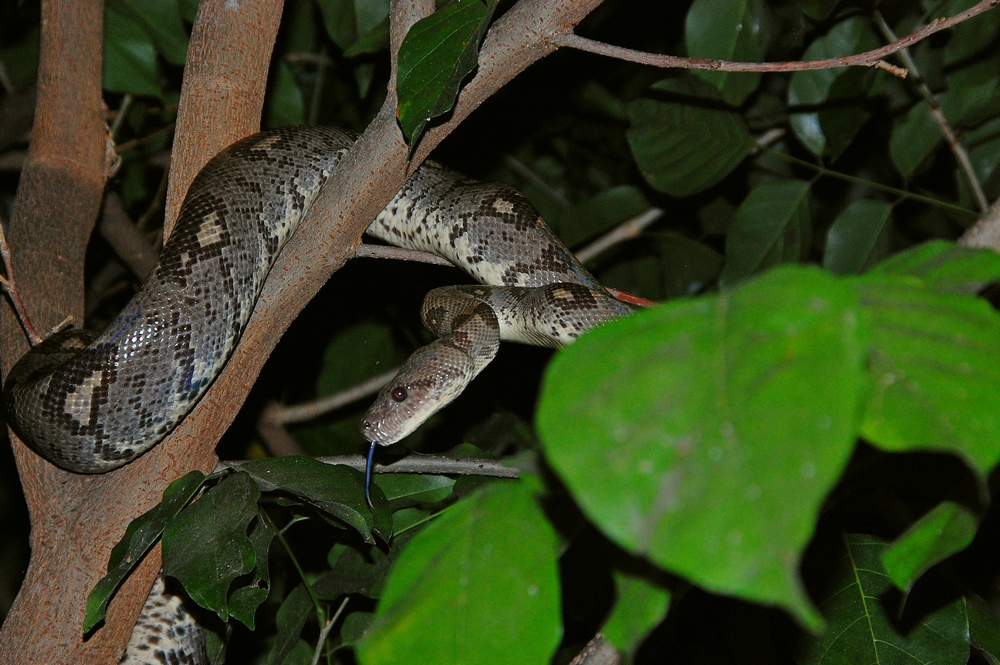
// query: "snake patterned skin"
[[91, 404], [165, 632]]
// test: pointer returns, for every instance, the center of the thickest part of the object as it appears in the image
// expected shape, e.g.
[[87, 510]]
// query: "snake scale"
[[91, 403]]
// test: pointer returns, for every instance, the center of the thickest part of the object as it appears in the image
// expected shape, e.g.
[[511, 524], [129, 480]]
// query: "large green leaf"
[[479, 580], [771, 226], [338, 491], [947, 529], [698, 435], [129, 56], [944, 266], [289, 622], [984, 628], [252, 591], [206, 546], [815, 87], [914, 137], [347, 21], [139, 537], [852, 240], [684, 145], [436, 54], [861, 629], [285, 103], [727, 30], [935, 370], [161, 19]]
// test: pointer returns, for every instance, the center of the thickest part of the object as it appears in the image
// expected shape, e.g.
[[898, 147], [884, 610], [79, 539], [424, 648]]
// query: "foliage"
[[789, 460]]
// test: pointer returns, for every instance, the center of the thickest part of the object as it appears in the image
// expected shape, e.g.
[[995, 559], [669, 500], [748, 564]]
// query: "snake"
[[91, 403]]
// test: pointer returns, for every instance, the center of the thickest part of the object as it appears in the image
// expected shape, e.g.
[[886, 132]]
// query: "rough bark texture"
[[225, 78], [77, 519]]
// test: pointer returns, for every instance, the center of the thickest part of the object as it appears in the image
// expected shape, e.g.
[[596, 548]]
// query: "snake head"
[[429, 380]]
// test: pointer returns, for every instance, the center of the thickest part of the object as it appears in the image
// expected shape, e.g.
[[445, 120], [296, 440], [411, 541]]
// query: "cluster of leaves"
[[815, 440]]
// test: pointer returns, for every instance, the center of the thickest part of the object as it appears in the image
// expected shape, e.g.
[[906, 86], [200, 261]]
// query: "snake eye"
[[398, 394]]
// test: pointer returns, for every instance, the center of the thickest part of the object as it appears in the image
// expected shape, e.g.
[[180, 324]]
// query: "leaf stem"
[[901, 193]]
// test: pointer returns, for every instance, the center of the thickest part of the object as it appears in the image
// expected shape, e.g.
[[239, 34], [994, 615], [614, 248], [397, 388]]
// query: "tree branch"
[[873, 58], [424, 464], [77, 518], [961, 154]]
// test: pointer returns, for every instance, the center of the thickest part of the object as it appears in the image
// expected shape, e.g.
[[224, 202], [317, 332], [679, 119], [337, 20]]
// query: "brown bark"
[[76, 519], [225, 78]]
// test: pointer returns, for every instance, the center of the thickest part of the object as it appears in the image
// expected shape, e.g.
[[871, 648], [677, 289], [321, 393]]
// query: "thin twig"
[[627, 230], [125, 238], [867, 59], [961, 154], [416, 464], [769, 137], [598, 651], [120, 114], [273, 417], [325, 631], [367, 251], [298, 58], [309, 410], [8, 284]]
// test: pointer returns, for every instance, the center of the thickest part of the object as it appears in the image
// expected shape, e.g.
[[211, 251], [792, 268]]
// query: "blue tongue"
[[368, 475]]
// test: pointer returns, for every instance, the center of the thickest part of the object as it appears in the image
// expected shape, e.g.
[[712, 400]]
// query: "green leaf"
[[139, 537], [640, 606], [727, 30], [405, 490], [984, 628], [947, 529], [590, 218], [914, 137], [290, 620], [818, 10], [348, 21], [942, 265], [361, 571], [435, 56], [247, 597], [968, 38], [339, 491], [852, 239], [356, 354], [860, 629], [684, 145], [161, 19], [815, 87], [935, 371], [372, 41], [481, 577], [129, 56], [20, 59], [285, 103], [973, 93], [770, 226], [663, 426], [188, 8], [206, 546]]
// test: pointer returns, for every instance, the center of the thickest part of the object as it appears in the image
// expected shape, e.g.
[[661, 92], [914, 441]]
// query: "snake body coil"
[[91, 404]]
